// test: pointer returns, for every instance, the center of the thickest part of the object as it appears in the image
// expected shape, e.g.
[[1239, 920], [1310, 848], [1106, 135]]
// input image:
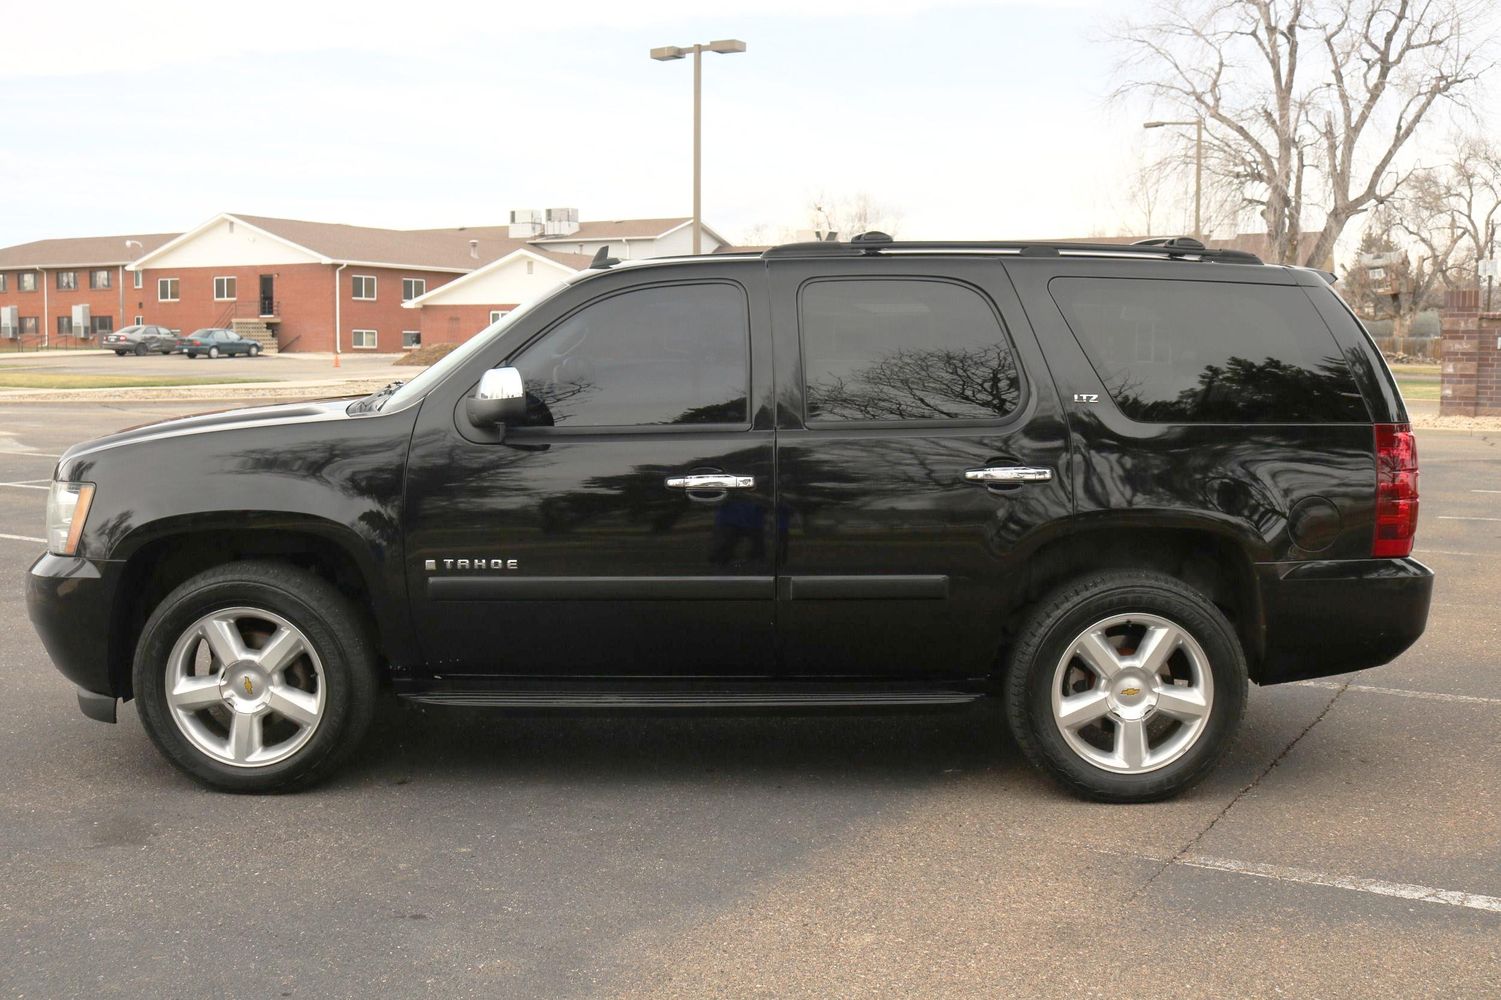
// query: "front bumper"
[[69, 601], [1333, 616]]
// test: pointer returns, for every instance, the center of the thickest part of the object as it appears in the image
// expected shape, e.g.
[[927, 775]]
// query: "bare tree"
[[1307, 102], [852, 215]]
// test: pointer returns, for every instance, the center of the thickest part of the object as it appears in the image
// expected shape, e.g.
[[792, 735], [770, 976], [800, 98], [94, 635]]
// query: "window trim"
[[374, 288], [616, 430], [72, 278], [3, 277], [415, 344], [1024, 384], [64, 318], [375, 334], [414, 282], [95, 274], [21, 282], [174, 298], [140, 279], [226, 298]]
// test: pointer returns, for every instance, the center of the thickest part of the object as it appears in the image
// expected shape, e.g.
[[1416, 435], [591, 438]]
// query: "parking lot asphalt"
[[1349, 845]]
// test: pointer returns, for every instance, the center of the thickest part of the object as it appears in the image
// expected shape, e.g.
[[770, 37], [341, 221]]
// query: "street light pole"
[[668, 52], [1198, 124]]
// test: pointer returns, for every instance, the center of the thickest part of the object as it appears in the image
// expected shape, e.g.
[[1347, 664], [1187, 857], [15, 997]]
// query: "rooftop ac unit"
[[562, 221], [525, 223]]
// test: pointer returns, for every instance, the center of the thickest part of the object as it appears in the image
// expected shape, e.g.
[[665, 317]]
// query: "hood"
[[275, 415]]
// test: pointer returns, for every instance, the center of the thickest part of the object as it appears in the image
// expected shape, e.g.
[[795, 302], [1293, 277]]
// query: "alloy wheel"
[[1132, 693], [245, 686]]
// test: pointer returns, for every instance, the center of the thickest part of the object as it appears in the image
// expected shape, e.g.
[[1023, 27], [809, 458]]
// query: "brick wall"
[[1470, 357], [303, 297], [457, 323], [48, 305]]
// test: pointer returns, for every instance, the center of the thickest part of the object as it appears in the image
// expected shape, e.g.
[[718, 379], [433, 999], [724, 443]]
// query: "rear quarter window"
[[1210, 351]]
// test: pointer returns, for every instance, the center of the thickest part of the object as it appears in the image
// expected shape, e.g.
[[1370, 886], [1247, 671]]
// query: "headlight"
[[67, 509]]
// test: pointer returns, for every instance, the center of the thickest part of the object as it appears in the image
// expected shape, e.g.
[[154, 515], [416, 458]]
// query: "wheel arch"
[[1215, 557], [160, 556]]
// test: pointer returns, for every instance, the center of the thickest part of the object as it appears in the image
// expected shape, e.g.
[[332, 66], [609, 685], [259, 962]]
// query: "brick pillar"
[[1459, 353]]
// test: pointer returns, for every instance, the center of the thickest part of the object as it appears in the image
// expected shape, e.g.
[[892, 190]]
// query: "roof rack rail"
[[870, 244]]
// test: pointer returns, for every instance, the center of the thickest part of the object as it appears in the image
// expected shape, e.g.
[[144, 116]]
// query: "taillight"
[[1396, 491]]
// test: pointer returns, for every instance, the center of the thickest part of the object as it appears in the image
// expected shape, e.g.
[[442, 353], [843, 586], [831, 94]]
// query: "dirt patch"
[[424, 355]]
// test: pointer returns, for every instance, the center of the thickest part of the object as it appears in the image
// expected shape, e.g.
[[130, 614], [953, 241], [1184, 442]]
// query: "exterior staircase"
[[255, 328]]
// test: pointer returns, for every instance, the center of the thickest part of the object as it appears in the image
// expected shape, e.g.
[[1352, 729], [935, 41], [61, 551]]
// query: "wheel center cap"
[[244, 686], [1132, 694]]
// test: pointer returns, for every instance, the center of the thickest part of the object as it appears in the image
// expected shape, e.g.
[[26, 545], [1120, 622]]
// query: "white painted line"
[[24, 538], [1452, 517], [1444, 552], [1485, 491], [1400, 890], [25, 486], [1463, 699], [43, 454]]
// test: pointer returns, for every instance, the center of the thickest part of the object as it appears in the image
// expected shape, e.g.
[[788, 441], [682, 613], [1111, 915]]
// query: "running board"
[[656, 696]]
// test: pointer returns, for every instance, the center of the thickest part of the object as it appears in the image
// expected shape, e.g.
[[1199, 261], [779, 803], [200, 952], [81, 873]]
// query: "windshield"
[[395, 396]]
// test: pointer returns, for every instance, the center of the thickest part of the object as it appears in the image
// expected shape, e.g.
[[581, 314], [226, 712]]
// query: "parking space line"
[[1379, 887], [1485, 491], [1464, 699], [23, 538], [27, 486], [1444, 552], [28, 454], [1456, 517]]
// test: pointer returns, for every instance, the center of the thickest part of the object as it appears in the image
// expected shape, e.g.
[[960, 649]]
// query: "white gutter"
[[46, 309], [121, 278], [337, 289]]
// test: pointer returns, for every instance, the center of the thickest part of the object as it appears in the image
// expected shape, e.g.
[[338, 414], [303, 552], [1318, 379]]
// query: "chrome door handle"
[[712, 481], [1009, 474]]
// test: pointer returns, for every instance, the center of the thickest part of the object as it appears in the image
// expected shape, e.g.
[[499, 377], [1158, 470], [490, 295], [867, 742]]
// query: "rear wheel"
[[255, 677], [1126, 686], [140, 350], [119, 354]]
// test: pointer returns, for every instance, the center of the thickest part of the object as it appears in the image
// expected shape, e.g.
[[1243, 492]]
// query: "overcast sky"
[[969, 119]]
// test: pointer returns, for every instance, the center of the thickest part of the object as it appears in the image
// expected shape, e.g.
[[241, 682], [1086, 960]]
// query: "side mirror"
[[499, 399]]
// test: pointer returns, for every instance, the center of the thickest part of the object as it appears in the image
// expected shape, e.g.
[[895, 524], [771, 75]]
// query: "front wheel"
[[255, 677], [1126, 686], [213, 352], [119, 354], [140, 350], [254, 350]]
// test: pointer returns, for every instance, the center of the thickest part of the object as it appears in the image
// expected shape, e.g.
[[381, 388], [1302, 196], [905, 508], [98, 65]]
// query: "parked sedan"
[[217, 343], [139, 340]]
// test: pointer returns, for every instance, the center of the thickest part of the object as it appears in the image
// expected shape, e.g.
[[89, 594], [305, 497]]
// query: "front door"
[[921, 446], [268, 295], [579, 545]]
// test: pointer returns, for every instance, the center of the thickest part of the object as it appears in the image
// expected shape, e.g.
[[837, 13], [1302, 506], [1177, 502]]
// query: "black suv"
[[1107, 485]]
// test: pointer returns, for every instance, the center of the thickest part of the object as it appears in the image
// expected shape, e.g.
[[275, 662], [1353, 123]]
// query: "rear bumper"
[[1334, 616], [69, 602]]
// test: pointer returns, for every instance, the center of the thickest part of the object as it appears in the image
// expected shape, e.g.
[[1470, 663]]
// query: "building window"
[[410, 288], [104, 324], [2, 281], [363, 339], [137, 321], [64, 326], [26, 281], [67, 281], [411, 338], [224, 289], [99, 279], [497, 314], [166, 289], [137, 277], [364, 287], [28, 325]]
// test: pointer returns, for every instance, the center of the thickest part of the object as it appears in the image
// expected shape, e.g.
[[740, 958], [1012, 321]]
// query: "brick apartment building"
[[309, 286], [41, 283]]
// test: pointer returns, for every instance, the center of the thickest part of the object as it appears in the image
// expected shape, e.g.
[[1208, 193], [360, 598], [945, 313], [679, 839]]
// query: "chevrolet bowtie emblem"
[[249, 689], [1125, 692]]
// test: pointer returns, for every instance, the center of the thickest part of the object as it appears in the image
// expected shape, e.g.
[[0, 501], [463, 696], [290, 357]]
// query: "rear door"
[[920, 446]]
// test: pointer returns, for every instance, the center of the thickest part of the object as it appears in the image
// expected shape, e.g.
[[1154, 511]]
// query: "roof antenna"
[[602, 259]]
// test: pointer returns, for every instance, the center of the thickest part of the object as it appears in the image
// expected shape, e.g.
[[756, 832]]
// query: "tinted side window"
[[676, 354], [1210, 351], [904, 349]]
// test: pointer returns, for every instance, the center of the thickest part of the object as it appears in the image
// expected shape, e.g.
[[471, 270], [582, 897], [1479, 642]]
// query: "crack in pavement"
[[1192, 843]]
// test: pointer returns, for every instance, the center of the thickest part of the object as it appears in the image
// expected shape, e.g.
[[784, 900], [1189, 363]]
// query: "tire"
[[140, 350], [1136, 749], [254, 350], [213, 352], [119, 354], [297, 720], [192, 356]]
